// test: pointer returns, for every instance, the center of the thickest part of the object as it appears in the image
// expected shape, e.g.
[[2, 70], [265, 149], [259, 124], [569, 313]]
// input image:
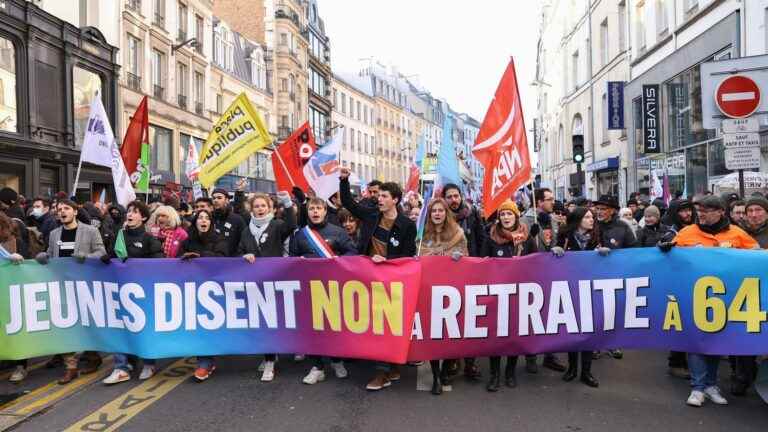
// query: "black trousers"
[[678, 360], [317, 361], [586, 361]]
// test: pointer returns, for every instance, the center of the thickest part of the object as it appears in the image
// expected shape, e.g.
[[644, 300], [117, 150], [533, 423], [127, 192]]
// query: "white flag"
[[100, 148], [322, 169], [192, 168]]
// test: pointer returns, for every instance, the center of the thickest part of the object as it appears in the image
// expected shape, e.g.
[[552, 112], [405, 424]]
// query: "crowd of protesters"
[[382, 224]]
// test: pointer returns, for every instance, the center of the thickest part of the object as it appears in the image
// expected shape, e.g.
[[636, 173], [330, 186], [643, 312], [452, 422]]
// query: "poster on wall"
[[651, 119], [615, 105]]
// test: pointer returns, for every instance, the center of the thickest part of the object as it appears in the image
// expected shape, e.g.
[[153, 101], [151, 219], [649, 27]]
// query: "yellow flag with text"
[[239, 133]]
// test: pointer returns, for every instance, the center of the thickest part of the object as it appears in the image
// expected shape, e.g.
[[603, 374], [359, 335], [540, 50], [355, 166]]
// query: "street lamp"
[[191, 42]]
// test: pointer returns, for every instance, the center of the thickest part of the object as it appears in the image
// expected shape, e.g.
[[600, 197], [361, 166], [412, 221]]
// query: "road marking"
[[119, 411]]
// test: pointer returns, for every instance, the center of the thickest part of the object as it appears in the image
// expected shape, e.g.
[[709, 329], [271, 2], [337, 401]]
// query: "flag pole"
[[77, 176]]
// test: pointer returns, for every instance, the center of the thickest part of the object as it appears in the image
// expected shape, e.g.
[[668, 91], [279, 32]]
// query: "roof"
[[362, 84]]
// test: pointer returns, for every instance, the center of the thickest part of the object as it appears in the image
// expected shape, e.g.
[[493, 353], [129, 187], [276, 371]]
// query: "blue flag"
[[421, 151], [447, 162], [422, 221]]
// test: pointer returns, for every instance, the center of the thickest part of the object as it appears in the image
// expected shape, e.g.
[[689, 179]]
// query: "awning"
[[605, 164]]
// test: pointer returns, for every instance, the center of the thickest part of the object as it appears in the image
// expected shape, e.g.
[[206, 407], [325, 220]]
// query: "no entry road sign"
[[737, 96]]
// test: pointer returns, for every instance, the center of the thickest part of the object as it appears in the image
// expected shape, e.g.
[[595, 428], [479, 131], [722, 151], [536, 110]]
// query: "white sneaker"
[[314, 376], [269, 371], [263, 362], [298, 357], [713, 394], [18, 374], [696, 399], [147, 372], [339, 370], [117, 376]]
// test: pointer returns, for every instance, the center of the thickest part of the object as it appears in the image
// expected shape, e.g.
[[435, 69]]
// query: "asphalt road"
[[635, 394]]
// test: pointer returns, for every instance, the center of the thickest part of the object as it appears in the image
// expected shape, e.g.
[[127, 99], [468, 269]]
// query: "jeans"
[[317, 361], [205, 362], [122, 363], [703, 370]]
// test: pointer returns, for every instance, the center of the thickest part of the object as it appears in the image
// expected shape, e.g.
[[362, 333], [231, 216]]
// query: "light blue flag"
[[421, 151], [447, 162], [422, 221]]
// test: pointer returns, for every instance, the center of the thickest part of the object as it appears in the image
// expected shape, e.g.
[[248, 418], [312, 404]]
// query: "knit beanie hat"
[[760, 201], [652, 211], [509, 205]]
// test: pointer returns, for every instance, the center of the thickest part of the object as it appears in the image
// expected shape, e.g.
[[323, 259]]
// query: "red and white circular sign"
[[737, 96]]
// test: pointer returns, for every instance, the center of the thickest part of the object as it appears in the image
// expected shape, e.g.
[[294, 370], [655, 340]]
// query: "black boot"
[[570, 374], [494, 381], [449, 371], [437, 386], [588, 379], [510, 380]]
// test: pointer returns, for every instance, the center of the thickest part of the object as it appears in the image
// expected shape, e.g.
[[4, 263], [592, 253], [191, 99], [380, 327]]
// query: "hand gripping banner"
[[692, 300]]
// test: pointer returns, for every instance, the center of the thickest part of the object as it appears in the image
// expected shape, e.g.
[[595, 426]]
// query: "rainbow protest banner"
[[692, 300]]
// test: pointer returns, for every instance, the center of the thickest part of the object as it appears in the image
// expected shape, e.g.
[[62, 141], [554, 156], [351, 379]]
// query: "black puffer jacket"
[[468, 218], [229, 225], [651, 235], [402, 236], [616, 234], [335, 236], [671, 218], [140, 244], [209, 244], [270, 243]]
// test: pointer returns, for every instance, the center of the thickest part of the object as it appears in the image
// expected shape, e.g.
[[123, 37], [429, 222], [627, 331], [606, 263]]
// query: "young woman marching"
[[508, 238], [580, 233], [442, 237], [203, 241], [264, 237]]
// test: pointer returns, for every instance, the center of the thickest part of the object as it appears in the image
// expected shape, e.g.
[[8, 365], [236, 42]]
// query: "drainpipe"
[[591, 90]]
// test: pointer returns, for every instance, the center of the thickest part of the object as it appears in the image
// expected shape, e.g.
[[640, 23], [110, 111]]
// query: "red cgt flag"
[[289, 159], [502, 146], [413, 179], [136, 134]]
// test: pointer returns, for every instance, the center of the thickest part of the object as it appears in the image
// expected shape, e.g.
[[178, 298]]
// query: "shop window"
[[85, 84], [683, 108], [162, 154], [7, 86], [696, 170], [676, 171]]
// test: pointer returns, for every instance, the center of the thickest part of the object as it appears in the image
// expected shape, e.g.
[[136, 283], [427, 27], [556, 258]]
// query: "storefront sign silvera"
[[651, 126]]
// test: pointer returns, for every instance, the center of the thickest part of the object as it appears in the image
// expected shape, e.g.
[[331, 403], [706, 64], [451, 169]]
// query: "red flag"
[[413, 179], [502, 146], [289, 159], [136, 135]]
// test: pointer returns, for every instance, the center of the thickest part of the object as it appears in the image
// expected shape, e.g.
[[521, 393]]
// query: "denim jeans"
[[121, 362], [703, 370], [204, 362]]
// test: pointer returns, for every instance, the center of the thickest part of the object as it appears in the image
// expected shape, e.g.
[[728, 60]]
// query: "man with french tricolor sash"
[[320, 239]]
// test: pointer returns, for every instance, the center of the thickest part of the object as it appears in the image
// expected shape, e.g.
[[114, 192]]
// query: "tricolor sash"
[[318, 243]]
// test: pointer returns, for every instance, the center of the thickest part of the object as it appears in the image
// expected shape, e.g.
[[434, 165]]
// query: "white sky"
[[458, 49]]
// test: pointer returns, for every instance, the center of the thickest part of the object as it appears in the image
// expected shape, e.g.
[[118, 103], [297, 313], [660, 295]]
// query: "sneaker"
[[616, 353], [269, 371], [298, 357], [379, 382], [18, 374], [117, 376], [393, 374], [263, 363], [314, 376], [147, 372], [596, 355], [339, 370], [696, 399], [713, 394], [202, 374]]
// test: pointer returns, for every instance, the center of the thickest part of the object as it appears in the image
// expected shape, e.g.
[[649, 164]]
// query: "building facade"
[[50, 70], [319, 70], [353, 109]]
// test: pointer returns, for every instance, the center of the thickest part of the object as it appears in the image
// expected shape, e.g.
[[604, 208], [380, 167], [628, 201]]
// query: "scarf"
[[259, 225], [462, 212], [720, 226], [172, 238], [582, 239], [754, 231], [516, 236]]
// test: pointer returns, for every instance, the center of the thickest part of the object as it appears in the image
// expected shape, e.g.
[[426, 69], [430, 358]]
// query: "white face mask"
[[37, 212]]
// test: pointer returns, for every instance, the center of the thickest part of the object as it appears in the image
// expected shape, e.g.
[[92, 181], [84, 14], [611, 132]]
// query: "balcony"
[[287, 13], [159, 20], [133, 81], [182, 101], [199, 108], [133, 5], [158, 92]]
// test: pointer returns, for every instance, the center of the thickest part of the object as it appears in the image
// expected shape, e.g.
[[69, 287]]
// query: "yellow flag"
[[239, 133]]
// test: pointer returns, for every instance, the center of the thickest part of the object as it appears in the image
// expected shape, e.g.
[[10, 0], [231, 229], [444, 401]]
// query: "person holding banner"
[[11, 248], [442, 237], [384, 234], [203, 241], [165, 225], [79, 240], [227, 223], [581, 233], [713, 229], [321, 239], [350, 224], [133, 241], [265, 236], [508, 237]]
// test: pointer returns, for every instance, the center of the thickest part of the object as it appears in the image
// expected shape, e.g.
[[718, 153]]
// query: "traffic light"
[[578, 149]]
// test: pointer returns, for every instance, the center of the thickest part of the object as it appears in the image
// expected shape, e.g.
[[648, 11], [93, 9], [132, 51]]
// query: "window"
[[199, 33], [258, 69], [219, 103], [575, 69], [359, 116], [604, 55], [181, 84], [85, 84], [316, 82], [604, 126], [691, 7], [8, 81], [359, 142], [317, 121], [162, 154], [352, 139], [335, 99], [134, 63], [183, 17], [640, 26], [683, 107], [223, 48], [662, 22], [637, 119], [365, 114], [199, 92], [622, 26], [157, 74], [159, 13], [343, 103]]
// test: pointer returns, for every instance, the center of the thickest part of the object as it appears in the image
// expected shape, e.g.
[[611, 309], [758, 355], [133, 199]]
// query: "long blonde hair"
[[174, 221], [449, 229]]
